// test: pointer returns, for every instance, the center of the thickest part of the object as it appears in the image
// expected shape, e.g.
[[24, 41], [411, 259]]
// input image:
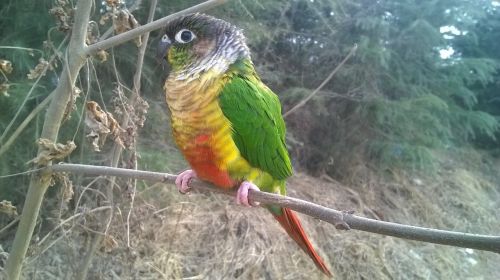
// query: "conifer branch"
[[341, 219]]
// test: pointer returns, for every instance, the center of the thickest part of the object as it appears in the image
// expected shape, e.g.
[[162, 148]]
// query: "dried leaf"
[[66, 193], [72, 103], [101, 124], [63, 14], [136, 114], [109, 243], [140, 111], [124, 21], [40, 69], [4, 88], [52, 151], [6, 66], [102, 55], [92, 35], [104, 18], [7, 208], [114, 3]]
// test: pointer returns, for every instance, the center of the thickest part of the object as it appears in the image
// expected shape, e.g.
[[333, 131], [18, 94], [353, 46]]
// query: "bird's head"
[[196, 42]]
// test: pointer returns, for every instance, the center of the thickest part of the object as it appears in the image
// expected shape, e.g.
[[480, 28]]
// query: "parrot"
[[225, 121]]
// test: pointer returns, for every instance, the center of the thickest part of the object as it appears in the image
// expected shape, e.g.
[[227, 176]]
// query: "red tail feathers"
[[290, 222]]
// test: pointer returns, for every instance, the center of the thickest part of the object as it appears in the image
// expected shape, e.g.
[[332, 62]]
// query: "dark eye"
[[184, 36]]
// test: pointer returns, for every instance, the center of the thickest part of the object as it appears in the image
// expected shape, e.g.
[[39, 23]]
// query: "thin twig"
[[304, 101], [338, 218], [12, 223], [157, 24], [20, 128], [135, 97], [28, 95], [76, 215], [27, 172]]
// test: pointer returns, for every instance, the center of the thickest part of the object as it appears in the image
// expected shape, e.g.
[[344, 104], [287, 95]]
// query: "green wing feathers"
[[255, 115], [254, 112]]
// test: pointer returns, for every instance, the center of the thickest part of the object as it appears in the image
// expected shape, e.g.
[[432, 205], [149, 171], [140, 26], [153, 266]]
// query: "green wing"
[[258, 127]]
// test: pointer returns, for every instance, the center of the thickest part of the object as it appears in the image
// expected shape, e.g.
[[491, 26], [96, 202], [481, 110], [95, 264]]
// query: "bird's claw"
[[183, 179], [242, 194]]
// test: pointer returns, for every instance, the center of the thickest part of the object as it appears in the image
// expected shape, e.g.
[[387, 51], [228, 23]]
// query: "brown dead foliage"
[[8, 209], [6, 66], [63, 13], [133, 111], [52, 151], [122, 19], [101, 124], [40, 69]]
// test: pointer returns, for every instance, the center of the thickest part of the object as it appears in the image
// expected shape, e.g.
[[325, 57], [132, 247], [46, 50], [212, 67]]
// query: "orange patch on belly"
[[202, 138], [203, 161]]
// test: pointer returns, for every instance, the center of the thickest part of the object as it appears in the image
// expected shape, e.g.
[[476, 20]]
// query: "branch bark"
[[335, 217]]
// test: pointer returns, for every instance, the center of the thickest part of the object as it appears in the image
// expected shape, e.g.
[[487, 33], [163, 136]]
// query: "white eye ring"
[[165, 39], [179, 36]]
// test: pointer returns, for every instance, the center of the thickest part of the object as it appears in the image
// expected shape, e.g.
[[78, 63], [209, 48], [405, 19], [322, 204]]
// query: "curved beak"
[[163, 46], [162, 50]]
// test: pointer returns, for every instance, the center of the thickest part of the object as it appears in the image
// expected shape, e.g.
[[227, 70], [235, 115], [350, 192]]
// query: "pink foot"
[[183, 180], [242, 194]]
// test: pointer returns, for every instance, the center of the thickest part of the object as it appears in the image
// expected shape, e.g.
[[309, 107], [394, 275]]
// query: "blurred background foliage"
[[424, 79]]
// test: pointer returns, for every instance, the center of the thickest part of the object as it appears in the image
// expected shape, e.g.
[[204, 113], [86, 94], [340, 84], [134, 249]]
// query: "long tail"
[[290, 222]]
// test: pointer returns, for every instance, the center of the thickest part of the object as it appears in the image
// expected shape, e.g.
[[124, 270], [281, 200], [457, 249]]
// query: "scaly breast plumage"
[[201, 130]]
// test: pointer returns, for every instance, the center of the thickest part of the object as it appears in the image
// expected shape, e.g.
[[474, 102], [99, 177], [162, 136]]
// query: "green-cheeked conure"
[[225, 120]]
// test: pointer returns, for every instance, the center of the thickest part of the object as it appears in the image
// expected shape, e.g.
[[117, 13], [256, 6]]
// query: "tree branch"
[[338, 218], [304, 101], [157, 24]]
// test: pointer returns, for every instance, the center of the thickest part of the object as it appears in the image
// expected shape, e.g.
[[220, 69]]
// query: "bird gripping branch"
[[225, 120]]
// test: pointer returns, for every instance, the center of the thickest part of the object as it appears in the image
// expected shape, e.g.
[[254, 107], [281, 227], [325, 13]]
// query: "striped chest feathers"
[[193, 104], [199, 126]]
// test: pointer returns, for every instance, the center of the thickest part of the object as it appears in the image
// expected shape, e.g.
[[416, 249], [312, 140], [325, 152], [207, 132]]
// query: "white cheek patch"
[[218, 61]]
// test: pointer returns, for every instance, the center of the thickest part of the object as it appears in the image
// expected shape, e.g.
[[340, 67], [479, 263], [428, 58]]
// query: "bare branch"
[[142, 52], [157, 24], [335, 217], [304, 101], [11, 224], [20, 128]]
